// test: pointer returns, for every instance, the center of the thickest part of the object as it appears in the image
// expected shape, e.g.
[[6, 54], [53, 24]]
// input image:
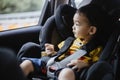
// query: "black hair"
[[96, 15], [99, 18]]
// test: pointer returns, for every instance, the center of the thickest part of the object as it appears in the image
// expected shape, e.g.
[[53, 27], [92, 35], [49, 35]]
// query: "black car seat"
[[61, 22]]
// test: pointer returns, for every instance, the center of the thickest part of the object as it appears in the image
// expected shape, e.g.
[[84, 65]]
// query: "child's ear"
[[93, 30]]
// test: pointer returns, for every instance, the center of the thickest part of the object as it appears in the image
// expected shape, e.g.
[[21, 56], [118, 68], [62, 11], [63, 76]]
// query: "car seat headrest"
[[64, 20], [115, 14]]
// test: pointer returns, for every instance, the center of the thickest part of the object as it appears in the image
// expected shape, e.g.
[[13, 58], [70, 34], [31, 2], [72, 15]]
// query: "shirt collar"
[[81, 42]]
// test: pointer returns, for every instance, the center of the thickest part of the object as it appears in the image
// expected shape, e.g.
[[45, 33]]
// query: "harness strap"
[[66, 46]]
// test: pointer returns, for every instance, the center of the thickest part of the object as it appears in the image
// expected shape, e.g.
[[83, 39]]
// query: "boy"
[[89, 21], [89, 27]]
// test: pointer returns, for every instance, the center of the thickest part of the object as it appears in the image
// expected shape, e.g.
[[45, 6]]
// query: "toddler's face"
[[81, 27]]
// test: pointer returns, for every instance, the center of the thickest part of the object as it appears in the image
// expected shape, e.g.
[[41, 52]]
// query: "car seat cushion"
[[64, 20]]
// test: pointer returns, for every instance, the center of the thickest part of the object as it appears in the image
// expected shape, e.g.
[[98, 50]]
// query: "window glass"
[[19, 13], [80, 3], [77, 3]]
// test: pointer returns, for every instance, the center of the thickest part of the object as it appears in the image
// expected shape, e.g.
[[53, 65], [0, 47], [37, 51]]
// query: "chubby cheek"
[[81, 34], [77, 34]]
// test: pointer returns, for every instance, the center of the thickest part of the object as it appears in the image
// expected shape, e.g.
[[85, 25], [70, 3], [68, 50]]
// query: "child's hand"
[[49, 49], [77, 64]]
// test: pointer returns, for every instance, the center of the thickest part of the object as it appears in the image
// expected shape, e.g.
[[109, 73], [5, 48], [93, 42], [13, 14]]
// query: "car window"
[[16, 14], [77, 3], [80, 3]]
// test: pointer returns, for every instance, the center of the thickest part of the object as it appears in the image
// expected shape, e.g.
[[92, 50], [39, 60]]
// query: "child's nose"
[[73, 27]]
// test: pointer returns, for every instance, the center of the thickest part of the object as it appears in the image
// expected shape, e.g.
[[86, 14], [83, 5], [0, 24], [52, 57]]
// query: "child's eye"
[[77, 24]]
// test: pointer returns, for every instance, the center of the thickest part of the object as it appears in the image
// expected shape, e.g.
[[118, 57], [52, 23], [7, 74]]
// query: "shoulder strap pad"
[[66, 46]]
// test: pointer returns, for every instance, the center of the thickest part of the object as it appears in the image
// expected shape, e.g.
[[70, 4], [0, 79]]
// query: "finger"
[[74, 61], [48, 48], [78, 69], [47, 44], [70, 64], [75, 68]]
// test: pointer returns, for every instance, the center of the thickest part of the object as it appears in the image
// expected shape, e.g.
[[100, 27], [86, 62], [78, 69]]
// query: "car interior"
[[55, 25]]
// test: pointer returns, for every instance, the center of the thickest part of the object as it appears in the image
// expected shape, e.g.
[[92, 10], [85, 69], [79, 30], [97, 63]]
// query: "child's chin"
[[75, 36]]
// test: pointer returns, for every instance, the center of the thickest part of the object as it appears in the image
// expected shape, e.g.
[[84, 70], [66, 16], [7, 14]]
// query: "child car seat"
[[62, 23]]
